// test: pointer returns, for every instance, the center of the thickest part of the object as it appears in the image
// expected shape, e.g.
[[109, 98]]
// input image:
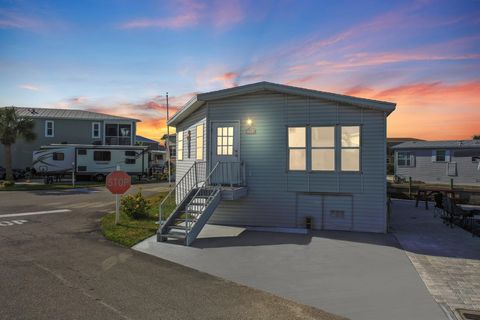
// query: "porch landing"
[[234, 193]]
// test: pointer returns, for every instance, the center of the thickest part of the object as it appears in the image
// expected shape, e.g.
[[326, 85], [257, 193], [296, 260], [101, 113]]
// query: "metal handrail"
[[187, 218], [180, 185]]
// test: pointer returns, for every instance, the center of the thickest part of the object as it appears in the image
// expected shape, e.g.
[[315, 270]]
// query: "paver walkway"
[[448, 260]]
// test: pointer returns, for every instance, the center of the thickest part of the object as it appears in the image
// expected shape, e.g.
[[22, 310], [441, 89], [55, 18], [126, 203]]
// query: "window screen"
[[129, 161], [82, 152]]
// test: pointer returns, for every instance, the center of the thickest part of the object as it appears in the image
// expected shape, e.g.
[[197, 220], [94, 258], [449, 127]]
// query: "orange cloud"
[[432, 111]]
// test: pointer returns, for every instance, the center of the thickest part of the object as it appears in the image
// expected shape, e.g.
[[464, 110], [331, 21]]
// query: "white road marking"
[[11, 223], [33, 213]]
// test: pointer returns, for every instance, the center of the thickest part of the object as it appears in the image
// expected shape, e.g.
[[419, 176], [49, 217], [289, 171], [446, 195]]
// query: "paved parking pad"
[[356, 275]]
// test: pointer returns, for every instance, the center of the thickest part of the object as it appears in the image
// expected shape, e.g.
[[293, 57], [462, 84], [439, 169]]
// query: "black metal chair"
[[439, 208]]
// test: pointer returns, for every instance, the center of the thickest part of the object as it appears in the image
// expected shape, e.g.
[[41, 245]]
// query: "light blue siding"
[[272, 190]]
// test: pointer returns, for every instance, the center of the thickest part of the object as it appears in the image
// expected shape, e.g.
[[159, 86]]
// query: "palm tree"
[[13, 126]]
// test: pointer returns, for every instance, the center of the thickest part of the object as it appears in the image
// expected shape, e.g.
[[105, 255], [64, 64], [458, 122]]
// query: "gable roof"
[[197, 101], [445, 144], [144, 139], [51, 113]]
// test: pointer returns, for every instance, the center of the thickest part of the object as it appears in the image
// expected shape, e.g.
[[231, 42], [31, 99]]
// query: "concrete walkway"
[[448, 260], [356, 275]]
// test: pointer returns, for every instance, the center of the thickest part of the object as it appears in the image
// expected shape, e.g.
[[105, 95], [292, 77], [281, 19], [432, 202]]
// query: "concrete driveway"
[[57, 265], [356, 275]]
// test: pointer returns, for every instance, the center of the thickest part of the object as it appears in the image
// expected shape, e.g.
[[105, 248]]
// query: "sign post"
[[118, 182]]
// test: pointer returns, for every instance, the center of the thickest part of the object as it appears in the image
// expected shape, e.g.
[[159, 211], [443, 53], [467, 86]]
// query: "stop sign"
[[118, 182]]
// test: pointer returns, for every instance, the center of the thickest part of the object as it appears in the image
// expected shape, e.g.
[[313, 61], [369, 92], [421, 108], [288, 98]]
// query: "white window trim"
[[180, 146], [337, 149], [408, 158], [93, 130], [446, 156], [46, 129]]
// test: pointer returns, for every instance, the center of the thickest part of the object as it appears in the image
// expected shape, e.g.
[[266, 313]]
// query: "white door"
[[226, 151]]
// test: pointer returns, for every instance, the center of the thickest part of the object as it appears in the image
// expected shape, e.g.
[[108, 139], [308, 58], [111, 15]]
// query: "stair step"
[[176, 232], [177, 227], [183, 220], [174, 235]]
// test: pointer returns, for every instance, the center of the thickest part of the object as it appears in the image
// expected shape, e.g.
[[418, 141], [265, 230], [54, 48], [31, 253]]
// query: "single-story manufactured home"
[[277, 156], [439, 161]]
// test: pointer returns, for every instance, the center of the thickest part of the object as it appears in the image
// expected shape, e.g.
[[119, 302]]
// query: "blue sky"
[[121, 56]]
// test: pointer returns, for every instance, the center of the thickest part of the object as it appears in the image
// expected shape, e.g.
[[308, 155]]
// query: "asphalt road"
[[58, 266]]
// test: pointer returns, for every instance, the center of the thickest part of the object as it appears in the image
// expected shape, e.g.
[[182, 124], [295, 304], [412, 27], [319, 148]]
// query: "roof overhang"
[[196, 102]]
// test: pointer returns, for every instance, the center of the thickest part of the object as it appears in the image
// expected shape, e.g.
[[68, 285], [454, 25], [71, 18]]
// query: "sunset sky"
[[120, 56]]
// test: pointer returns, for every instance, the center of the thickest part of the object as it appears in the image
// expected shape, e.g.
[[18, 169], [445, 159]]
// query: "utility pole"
[[168, 148]]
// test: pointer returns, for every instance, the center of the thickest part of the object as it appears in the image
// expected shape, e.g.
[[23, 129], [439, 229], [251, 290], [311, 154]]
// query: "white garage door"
[[337, 213], [309, 206], [328, 212]]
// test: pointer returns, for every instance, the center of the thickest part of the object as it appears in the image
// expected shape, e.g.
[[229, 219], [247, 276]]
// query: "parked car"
[[17, 173]]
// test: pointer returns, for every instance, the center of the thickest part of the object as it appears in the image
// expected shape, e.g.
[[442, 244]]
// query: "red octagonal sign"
[[118, 182]]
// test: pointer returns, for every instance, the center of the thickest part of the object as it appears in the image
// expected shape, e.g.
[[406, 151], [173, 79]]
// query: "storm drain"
[[469, 314]]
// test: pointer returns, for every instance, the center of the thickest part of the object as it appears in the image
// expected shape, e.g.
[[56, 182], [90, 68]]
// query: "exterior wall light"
[[249, 122]]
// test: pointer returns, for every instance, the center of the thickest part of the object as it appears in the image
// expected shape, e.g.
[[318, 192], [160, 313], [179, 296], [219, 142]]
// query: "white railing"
[[195, 175]]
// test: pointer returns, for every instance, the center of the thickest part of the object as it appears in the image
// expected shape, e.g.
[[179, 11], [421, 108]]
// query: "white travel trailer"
[[95, 161]]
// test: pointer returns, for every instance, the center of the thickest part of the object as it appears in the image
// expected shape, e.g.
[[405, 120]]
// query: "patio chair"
[[458, 216], [439, 208]]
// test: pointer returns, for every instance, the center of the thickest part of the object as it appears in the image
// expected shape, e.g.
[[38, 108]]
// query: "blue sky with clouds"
[[121, 56]]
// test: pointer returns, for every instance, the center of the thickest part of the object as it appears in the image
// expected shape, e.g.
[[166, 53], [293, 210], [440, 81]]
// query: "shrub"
[[136, 206], [8, 184]]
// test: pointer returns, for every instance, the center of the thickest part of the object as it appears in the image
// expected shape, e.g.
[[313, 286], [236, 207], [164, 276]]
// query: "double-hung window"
[[404, 159], [297, 149], [323, 148], [95, 130], [440, 155], [49, 129], [199, 144], [350, 145], [180, 145]]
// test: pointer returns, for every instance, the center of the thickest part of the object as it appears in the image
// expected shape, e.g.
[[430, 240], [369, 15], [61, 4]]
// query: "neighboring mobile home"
[[70, 126], [298, 153], [439, 161]]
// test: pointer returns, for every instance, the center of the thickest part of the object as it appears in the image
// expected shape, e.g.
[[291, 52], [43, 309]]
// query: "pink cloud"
[[176, 22], [14, 19], [189, 13], [227, 13]]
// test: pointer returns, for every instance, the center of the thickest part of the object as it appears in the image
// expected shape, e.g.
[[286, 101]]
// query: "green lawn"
[[32, 187], [130, 231]]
